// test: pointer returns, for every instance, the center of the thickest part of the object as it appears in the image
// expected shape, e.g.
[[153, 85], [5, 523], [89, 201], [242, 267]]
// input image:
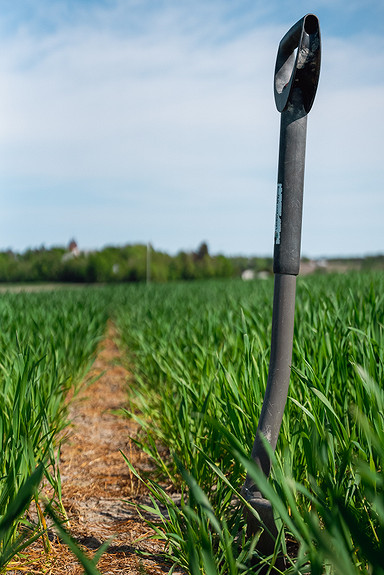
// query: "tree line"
[[129, 263], [138, 263]]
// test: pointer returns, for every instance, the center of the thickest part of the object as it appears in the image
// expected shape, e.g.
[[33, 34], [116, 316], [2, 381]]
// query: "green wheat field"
[[199, 354]]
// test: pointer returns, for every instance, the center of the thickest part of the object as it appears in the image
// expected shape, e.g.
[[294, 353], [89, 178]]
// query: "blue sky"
[[125, 121]]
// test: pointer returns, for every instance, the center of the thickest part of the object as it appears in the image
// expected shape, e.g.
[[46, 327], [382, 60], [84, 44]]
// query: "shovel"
[[296, 77]]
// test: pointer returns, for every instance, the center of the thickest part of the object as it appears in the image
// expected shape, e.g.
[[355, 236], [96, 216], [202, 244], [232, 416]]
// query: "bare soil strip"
[[96, 481]]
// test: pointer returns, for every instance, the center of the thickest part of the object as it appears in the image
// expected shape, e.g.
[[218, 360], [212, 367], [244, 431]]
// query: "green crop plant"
[[47, 344], [200, 354], [188, 347]]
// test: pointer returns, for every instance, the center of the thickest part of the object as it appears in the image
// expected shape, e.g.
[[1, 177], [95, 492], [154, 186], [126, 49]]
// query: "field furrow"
[[96, 480]]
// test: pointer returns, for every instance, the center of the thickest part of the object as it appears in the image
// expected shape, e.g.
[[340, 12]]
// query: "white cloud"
[[105, 103]]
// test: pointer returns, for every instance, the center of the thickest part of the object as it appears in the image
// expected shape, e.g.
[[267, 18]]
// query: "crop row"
[[47, 344], [201, 357]]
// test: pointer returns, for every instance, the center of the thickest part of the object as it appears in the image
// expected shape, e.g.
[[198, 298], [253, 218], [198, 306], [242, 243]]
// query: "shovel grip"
[[297, 67]]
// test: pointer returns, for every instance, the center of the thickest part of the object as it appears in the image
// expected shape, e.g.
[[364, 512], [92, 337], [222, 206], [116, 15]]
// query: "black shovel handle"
[[297, 67], [296, 78]]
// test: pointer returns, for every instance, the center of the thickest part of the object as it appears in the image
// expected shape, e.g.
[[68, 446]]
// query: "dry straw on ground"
[[96, 481]]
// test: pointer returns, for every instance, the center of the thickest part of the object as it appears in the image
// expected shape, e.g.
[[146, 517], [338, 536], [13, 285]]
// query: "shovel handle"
[[296, 78], [297, 67]]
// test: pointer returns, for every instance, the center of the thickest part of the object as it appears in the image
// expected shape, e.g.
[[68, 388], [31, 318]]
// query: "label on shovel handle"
[[279, 205]]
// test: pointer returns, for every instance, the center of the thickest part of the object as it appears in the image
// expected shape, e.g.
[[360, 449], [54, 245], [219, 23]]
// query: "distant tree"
[[202, 251], [75, 270], [223, 267], [186, 266]]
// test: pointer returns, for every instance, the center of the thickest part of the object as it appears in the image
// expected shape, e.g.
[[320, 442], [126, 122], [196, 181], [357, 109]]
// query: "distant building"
[[73, 251], [308, 267], [73, 248], [248, 275]]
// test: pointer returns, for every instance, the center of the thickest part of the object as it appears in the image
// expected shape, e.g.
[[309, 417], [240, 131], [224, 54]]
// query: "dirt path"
[[96, 480]]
